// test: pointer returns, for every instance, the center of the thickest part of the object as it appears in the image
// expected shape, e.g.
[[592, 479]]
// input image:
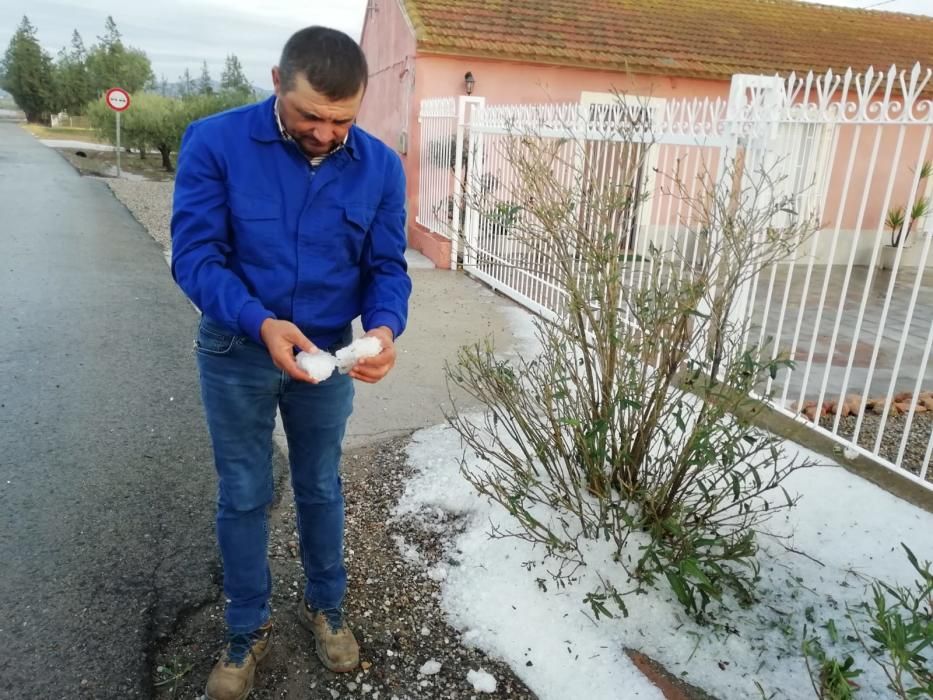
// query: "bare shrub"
[[626, 427]]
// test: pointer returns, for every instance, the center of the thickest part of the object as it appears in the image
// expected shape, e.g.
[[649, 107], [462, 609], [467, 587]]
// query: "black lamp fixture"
[[469, 81]]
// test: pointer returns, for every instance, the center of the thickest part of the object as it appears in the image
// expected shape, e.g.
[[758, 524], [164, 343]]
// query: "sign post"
[[119, 174], [118, 100]]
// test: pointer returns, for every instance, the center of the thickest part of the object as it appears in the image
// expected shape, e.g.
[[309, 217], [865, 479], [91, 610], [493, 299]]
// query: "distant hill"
[[177, 89]]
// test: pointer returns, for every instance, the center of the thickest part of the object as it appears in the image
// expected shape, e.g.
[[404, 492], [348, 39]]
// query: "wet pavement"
[[888, 320], [106, 484]]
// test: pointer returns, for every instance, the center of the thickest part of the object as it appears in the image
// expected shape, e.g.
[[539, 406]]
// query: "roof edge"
[[408, 23], [414, 19], [628, 67], [632, 67]]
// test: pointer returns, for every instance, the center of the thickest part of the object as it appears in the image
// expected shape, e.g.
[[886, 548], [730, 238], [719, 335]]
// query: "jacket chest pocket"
[[250, 212], [345, 230], [255, 221]]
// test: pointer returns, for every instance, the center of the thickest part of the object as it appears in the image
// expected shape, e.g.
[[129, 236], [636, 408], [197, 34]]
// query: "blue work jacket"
[[258, 233]]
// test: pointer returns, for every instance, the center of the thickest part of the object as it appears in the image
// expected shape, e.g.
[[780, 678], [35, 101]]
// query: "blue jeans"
[[241, 389]]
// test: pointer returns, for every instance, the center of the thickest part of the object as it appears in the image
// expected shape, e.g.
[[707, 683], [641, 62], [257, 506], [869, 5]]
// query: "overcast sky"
[[176, 34], [182, 33]]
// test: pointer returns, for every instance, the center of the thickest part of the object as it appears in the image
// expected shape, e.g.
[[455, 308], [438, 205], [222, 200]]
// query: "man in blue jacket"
[[288, 223]]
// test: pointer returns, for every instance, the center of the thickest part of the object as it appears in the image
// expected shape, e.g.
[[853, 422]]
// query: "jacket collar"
[[265, 128]]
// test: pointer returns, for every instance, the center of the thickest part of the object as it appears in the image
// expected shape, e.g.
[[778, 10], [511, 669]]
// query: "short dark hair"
[[331, 61]]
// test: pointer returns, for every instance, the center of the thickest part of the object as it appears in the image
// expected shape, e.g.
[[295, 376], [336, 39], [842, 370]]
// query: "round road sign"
[[118, 99]]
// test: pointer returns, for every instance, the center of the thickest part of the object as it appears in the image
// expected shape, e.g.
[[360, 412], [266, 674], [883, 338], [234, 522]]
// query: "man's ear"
[[276, 79]]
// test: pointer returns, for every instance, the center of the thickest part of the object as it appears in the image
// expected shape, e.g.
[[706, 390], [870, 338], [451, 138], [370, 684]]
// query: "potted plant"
[[501, 218], [898, 224]]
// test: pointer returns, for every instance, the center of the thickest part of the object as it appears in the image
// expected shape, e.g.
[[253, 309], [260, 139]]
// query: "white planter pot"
[[889, 252], [886, 257]]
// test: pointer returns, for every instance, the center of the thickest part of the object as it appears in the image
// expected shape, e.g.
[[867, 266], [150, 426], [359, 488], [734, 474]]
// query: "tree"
[[112, 64], [27, 72], [112, 36], [187, 84], [233, 79], [205, 84], [73, 88], [152, 121], [158, 122]]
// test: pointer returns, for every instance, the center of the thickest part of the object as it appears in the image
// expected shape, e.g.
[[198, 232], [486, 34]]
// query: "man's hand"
[[372, 369], [281, 339]]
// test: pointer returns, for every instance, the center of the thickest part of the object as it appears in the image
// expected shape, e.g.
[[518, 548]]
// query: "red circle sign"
[[118, 99]]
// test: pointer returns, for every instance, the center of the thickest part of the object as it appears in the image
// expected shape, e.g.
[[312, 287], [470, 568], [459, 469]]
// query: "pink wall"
[[858, 211], [502, 82], [874, 179], [389, 44]]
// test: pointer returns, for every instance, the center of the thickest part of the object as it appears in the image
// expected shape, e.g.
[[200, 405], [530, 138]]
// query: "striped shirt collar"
[[313, 160]]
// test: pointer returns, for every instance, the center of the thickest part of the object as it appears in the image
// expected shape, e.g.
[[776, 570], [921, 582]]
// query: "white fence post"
[[474, 167], [466, 107], [754, 111]]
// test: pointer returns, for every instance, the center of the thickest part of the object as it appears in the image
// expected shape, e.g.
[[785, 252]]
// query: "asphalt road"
[[106, 484]]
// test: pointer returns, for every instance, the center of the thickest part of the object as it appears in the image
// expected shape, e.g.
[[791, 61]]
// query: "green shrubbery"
[[157, 123]]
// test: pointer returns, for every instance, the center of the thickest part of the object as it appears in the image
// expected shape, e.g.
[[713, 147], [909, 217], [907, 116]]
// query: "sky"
[[179, 34]]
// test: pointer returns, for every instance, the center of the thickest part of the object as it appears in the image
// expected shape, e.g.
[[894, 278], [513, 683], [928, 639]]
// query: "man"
[[288, 223]]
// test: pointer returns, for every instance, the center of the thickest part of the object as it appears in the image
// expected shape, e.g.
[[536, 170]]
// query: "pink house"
[[534, 51]]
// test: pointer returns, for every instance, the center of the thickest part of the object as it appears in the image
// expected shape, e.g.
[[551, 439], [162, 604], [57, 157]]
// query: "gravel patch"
[[917, 440], [150, 202], [407, 648]]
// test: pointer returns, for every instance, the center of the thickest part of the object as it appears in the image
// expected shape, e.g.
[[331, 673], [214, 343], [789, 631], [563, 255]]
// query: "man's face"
[[317, 123]]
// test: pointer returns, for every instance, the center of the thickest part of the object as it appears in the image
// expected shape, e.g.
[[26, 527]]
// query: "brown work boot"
[[334, 642], [232, 677]]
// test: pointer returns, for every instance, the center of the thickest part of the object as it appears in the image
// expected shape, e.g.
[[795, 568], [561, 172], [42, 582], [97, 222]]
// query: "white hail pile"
[[320, 365]]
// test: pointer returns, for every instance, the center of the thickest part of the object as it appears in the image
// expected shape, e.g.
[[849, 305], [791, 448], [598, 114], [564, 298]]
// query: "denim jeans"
[[241, 389]]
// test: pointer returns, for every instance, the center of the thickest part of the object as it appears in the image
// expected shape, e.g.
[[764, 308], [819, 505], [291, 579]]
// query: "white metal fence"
[[444, 124], [438, 121], [853, 312]]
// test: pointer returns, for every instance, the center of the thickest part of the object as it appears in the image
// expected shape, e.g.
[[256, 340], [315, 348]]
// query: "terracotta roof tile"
[[698, 38]]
